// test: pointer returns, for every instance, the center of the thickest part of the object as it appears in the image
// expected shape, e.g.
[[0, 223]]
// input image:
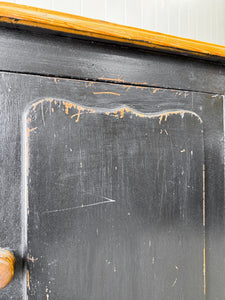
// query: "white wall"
[[197, 19]]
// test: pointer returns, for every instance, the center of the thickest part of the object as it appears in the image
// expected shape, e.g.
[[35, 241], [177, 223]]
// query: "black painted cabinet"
[[110, 190]]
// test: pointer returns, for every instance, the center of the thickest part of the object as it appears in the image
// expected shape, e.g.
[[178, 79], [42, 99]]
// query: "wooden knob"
[[7, 264]]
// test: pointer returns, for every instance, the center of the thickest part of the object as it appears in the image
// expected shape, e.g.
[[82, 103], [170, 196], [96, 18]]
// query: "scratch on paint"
[[155, 90], [127, 87], [81, 206], [175, 281], [166, 132], [98, 93]]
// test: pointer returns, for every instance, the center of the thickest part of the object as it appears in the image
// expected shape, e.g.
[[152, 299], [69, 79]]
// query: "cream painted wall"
[[196, 19]]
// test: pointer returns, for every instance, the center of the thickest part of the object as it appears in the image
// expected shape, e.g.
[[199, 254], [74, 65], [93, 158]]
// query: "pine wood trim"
[[57, 21]]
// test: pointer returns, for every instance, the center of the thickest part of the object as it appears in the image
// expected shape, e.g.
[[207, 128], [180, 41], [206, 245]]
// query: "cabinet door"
[[114, 181], [115, 202]]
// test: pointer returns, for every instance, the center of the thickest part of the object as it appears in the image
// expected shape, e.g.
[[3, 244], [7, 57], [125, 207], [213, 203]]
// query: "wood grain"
[[57, 21], [7, 263]]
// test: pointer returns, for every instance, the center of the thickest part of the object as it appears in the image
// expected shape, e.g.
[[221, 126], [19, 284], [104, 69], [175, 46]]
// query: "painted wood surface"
[[115, 198], [36, 17], [19, 92], [66, 57]]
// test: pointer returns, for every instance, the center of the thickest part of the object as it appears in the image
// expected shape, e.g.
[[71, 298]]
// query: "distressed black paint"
[[115, 197], [71, 57], [75, 58]]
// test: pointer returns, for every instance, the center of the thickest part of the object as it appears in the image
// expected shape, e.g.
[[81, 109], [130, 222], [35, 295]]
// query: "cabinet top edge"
[[67, 23]]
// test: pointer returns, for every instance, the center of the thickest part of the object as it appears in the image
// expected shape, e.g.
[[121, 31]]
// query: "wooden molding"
[[57, 21]]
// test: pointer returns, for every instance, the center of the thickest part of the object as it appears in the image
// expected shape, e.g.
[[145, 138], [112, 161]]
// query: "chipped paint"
[[32, 259], [111, 79], [28, 280], [139, 83], [34, 105], [141, 87], [29, 130], [161, 116], [90, 83], [69, 105], [111, 93]]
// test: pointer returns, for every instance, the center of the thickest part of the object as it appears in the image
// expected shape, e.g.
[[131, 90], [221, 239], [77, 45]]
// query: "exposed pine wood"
[[57, 21]]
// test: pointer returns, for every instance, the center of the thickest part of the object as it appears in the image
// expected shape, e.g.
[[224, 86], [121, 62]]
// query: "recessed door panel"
[[115, 203]]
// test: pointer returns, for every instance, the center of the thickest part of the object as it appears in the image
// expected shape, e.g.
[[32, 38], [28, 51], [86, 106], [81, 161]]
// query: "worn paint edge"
[[24, 185], [118, 111], [68, 23], [204, 232]]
